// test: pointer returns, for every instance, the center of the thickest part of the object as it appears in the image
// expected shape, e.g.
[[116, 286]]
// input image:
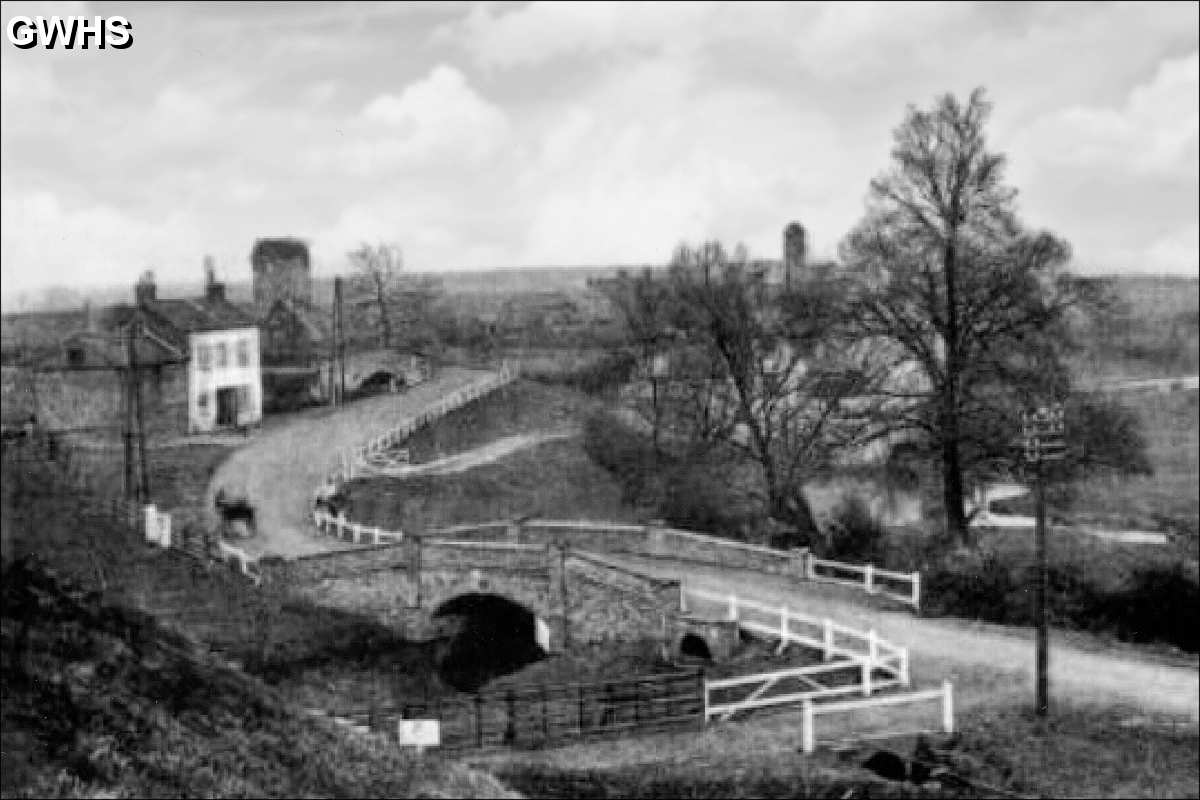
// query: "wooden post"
[[808, 735], [872, 647], [478, 719], [947, 707], [510, 728], [866, 678], [828, 639], [733, 607], [904, 674], [784, 633], [916, 590], [869, 578]]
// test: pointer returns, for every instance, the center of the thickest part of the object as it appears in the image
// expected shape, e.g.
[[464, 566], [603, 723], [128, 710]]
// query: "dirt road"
[[280, 468], [460, 462], [985, 661]]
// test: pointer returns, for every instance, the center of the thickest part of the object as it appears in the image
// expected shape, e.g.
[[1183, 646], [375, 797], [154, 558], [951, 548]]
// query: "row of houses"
[[206, 363]]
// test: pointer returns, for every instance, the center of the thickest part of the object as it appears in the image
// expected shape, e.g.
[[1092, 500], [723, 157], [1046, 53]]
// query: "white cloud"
[[542, 31], [1155, 132], [46, 242], [438, 121]]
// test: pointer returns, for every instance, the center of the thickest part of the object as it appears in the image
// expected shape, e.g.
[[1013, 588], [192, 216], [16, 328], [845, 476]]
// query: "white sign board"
[[419, 733]]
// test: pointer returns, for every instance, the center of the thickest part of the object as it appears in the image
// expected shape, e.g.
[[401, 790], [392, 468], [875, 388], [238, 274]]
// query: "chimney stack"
[[214, 290], [145, 291]]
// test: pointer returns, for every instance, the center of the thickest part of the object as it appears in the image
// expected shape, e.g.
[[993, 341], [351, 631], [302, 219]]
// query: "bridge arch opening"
[[493, 636], [693, 646]]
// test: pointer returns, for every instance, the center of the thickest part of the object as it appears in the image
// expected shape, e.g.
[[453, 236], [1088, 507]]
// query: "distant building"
[[220, 343], [282, 270]]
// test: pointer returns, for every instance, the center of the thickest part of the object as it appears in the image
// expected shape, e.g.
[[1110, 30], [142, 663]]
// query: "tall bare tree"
[[378, 269], [955, 284]]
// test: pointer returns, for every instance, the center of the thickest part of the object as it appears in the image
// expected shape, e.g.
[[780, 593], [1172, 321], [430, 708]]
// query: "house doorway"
[[227, 408]]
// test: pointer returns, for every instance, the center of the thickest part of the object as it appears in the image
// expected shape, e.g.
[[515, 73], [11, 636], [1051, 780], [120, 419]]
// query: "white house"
[[221, 343]]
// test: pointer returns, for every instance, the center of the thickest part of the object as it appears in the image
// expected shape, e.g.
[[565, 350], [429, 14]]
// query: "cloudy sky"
[[480, 135]]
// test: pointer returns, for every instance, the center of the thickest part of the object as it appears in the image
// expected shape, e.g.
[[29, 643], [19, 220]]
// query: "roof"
[[281, 249], [106, 350], [317, 324], [194, 316]]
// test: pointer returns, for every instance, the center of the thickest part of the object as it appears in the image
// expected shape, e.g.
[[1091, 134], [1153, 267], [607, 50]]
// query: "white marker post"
[[419, 733]]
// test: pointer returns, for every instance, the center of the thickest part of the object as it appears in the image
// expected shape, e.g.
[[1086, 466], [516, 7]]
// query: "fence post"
[[872, 647], [682, 599], [784, 632], [904, 676], [355, 532], [810, 567], [866, 678], [808, 735], [478, 719], [916, 590], [947, 707], [733, 607], [869, 578], [828, 639], [510, 729]]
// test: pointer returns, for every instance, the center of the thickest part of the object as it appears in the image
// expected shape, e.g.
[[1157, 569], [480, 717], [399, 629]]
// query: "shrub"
[[1156, 605], [697, 501], [854, 533]]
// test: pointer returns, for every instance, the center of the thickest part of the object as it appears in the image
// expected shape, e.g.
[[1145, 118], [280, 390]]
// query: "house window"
[[243, 352], [222, 355], [203, 357]]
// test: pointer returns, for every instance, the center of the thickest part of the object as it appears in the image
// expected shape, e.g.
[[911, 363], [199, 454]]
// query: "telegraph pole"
[[340, 338], [127, 426], [1044, 431], [143, 488]]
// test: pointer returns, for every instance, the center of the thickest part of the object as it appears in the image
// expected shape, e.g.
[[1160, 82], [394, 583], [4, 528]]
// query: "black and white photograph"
[[600, 399]]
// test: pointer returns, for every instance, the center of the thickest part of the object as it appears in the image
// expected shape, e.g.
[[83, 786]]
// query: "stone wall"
[[608, 602]]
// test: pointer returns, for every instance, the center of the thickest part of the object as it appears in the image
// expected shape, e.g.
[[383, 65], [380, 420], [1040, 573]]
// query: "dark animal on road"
[[236, 513]]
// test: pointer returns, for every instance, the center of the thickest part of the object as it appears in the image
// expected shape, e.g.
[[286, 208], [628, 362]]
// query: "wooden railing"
[[873, 579], [944, 695], [858, 662], [344, 529], [352, 462], [533, 717]]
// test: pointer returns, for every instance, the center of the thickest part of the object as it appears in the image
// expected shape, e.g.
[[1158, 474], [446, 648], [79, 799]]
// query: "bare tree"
[[952, 283], [378, 269], [774, 391], [645, 306]]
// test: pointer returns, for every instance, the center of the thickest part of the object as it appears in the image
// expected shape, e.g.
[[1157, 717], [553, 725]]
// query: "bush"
[[604, 374], [697, 501], [854, 533], [1156, 605]]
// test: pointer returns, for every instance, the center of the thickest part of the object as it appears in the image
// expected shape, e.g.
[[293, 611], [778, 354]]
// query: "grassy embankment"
[[170, 720]]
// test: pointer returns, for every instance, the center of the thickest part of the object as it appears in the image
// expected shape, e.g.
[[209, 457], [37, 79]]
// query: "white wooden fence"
[[346, 530], [246, 564], [866, 662], [873, 579], [811, 710], [352, 460]]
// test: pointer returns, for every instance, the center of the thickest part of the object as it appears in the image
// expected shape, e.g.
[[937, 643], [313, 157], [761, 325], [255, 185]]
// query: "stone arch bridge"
[[578, 597]]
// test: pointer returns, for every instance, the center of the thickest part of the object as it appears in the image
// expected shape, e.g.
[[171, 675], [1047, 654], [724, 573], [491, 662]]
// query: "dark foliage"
[[1157, 604], [854, 534]]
